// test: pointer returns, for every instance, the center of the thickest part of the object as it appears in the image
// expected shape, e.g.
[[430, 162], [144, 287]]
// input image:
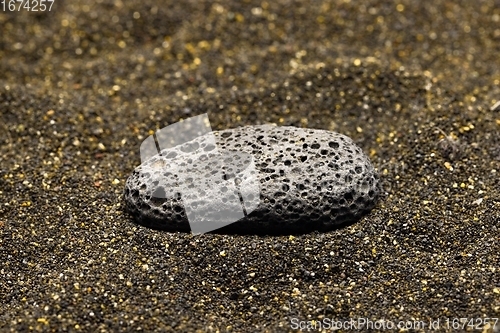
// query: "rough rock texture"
[[81, 85], [309, 179]]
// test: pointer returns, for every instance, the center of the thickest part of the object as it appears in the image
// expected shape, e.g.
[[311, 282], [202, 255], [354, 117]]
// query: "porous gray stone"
[[309, 179]]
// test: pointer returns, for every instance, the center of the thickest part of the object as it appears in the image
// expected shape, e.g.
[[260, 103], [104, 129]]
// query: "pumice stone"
[[255, 179]]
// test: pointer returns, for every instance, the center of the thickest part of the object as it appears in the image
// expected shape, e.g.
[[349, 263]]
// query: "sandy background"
[[82, 85]]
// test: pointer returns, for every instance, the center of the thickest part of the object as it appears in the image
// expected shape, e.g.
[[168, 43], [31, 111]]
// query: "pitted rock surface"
[[309, 180]]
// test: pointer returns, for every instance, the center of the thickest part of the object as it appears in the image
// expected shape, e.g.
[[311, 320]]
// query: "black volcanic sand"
[[414, 84]]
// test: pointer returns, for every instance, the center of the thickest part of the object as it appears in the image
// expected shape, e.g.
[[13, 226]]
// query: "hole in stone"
[[315, 145], [334, 166], [360, 200], [171, 154], [157, 201], [159, 192], [348, 196], [333, 145], [209, 147]]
